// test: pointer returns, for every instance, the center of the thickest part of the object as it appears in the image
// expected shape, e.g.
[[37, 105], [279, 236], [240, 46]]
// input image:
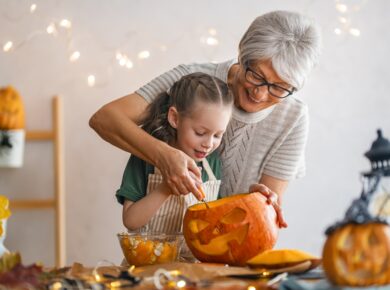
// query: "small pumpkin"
[[11, 109], [283, 258], [232, 229], [358, 255]]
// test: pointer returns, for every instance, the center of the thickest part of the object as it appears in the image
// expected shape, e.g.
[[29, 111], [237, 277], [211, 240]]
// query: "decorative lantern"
[[379, 156], [357, 250], [11, 128]]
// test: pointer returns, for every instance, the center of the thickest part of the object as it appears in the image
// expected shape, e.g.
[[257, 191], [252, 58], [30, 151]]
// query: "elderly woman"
[[263, 147]]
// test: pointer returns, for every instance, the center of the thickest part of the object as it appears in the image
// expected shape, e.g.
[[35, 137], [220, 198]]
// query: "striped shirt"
[[271, 141]]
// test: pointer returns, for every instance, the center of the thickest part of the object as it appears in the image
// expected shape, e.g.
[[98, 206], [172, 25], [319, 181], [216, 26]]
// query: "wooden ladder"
[[57, 202]]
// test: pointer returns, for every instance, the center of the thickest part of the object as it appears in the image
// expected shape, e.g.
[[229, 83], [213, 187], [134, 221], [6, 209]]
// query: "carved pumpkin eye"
[[197, 225], [237, 215]]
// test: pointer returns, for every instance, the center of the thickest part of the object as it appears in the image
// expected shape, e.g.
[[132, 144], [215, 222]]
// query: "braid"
[[155, 121]]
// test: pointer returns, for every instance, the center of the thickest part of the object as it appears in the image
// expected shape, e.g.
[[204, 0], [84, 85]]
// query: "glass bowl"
[[141, 249]]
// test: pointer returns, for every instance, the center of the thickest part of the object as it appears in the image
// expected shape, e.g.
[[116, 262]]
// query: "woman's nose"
[[260, 93]]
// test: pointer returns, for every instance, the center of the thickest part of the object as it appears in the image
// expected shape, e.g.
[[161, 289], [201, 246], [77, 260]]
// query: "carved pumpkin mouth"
[[220, 245]]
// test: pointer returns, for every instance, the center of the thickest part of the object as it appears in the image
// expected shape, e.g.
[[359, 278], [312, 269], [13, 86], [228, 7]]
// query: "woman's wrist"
[[162, 150]]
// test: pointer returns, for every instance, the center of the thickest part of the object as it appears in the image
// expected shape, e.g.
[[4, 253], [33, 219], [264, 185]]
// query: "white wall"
[[348, 95]]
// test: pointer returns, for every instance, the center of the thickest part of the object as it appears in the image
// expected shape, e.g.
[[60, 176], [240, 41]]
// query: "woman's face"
[[251, 98]]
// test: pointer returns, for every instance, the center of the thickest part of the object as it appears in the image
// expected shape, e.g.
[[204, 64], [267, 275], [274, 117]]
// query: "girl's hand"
[[272, 198], [180, 172]]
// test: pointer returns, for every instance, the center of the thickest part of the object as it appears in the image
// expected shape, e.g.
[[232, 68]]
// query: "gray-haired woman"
[[263, 147]]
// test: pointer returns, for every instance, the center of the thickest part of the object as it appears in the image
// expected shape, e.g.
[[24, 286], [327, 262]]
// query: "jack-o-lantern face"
[[11, 109], [358, 255], [232, 230]]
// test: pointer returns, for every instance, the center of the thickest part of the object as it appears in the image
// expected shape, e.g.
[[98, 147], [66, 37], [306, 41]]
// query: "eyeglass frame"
[[266, 83]]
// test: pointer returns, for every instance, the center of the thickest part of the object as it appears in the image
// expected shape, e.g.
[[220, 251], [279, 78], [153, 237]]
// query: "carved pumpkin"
[[232, 230], [11, 109], [358, 255]]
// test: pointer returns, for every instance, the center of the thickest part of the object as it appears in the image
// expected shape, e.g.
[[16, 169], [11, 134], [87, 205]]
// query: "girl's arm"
[[137, 214], [118, 123]]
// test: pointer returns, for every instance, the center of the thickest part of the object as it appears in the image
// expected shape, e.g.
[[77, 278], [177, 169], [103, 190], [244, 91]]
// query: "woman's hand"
[[272, 198], [180, 172]]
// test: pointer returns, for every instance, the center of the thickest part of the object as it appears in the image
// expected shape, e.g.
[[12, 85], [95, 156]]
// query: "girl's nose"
[[207, 143]]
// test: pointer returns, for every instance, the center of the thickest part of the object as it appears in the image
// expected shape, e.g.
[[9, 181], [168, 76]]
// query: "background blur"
[[123, 44]]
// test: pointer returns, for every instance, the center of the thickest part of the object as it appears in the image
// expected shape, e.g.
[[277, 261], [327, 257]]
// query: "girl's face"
[[200, 132]]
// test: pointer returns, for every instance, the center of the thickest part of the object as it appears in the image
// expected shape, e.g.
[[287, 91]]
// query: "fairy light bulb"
[[122, 61], [181, 284], [65, 23], [337, 31], [8, 46], [343, 20], [251, 287], [354, 31], [341, 7], [144, 54], [74, 56], [56, 286], [118, 56], [91, 80], [129, 64], [51, 28], [33, 7], [212, 41], [212, 31]]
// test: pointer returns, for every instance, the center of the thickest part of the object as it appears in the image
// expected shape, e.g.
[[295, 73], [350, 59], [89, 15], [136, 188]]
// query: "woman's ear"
[[173, 117]]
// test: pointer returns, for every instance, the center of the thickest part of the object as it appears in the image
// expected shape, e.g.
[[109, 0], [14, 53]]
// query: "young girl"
[[192, 117]]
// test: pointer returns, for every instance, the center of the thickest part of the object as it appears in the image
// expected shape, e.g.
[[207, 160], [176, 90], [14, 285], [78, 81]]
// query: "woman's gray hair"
[[290, 40]]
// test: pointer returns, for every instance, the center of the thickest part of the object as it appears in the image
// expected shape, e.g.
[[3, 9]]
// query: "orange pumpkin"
[[358, 255], [232, 230], [11, 109]]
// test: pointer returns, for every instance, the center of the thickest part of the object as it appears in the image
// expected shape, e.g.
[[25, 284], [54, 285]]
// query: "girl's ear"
[[173, 117]]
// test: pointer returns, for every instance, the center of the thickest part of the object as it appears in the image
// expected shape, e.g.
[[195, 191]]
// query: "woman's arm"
[[137, 214], [118, 123], [272, 188]]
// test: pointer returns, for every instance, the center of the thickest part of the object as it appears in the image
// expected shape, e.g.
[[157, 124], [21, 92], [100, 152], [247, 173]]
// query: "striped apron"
[[169, 218]]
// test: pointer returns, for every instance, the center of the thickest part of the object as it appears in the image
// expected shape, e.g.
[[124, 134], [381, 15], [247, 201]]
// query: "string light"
[[91, 80], [8, 46], [345, 19], [144, 54], [212, 31], [341, 7], [74, 56], [51, 29], [251, 287], [33, 7], [65, 23], [354, 31]]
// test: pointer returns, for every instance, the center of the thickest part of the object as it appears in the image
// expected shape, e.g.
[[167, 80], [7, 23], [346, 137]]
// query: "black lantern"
[[373, 205], [378, 179]]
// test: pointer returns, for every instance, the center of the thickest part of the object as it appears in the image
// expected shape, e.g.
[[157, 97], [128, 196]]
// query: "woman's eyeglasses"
[[275, 90]]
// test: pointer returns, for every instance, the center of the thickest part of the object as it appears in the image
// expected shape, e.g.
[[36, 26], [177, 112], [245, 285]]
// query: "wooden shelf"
[[32, 204], [58, 201]]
